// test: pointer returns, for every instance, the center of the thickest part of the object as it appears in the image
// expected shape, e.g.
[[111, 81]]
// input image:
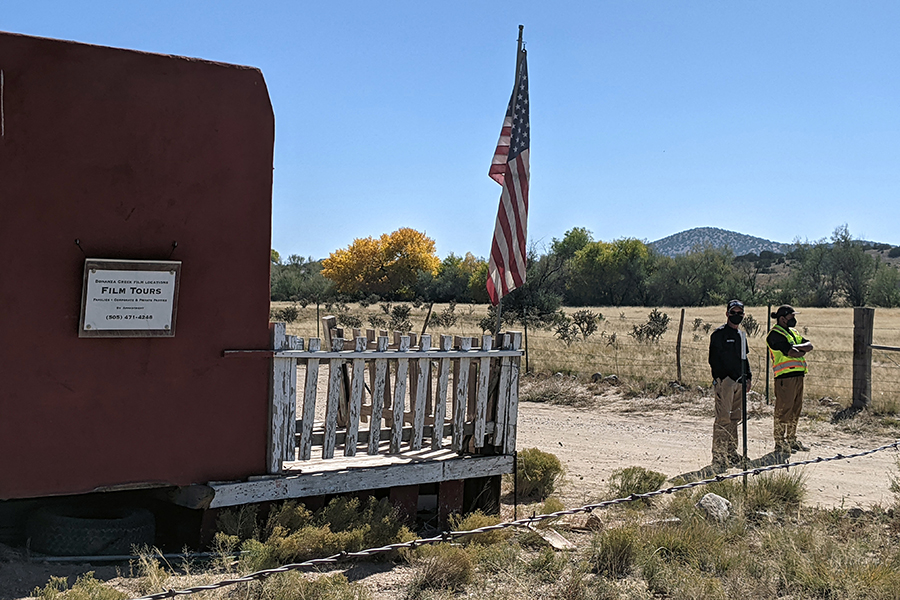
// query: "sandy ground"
[[665, 435], [675, 439]]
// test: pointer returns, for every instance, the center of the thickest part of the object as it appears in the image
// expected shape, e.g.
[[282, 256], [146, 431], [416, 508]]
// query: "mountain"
[[739, 243]]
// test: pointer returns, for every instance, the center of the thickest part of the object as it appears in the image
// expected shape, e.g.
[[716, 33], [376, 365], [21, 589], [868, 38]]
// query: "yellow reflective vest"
[[782, 363]]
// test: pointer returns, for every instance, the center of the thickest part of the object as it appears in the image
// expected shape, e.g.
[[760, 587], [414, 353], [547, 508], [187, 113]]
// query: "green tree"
[[813, 280], [699, 277], [853, 268], [299, 279], [885, 289], [450, 283], [574, 240], [610, 273]]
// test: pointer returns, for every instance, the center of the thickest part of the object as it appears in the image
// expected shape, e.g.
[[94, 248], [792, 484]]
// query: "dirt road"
[[675, 437]]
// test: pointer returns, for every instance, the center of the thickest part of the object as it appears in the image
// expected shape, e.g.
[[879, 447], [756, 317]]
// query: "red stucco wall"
[[129, 152]]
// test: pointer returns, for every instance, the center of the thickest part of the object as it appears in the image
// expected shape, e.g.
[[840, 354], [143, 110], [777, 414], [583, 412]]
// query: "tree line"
[[577, 270]]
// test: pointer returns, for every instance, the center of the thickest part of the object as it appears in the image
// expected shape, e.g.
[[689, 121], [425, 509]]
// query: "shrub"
[[538, 473], [751, 325], [349, 320], [288, 314], [586, 321], [240, 522], [653, 330], [635, 480], [476, 520], [295, 534], [400, 317]]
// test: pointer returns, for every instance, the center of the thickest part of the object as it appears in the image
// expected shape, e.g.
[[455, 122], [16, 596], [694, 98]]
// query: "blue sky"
[[776, 119]]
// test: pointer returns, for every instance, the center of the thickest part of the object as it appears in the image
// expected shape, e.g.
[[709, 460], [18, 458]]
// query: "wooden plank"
[[319, 483], [309, 401], [318, 434], [357, 385], [502, 396], [282, 391], [424, 375], [399, 395], [440, 403], [378, 397], [481, 398], [335, 387], [513, 411], [460, 398]]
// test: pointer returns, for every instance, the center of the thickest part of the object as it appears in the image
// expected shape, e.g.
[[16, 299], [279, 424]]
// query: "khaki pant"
[[728, 416], [788, 404]]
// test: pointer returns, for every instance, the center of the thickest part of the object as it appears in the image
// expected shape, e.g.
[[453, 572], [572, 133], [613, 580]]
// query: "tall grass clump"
[[294, 586], [555, 390], [86, 587], [538, 473], [614, 551], [440, 567], [295, 534], [635, 480], [776, 491]]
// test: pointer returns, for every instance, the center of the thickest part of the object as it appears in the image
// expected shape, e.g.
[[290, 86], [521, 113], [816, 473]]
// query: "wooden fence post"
[[863, 321], [678, 347]]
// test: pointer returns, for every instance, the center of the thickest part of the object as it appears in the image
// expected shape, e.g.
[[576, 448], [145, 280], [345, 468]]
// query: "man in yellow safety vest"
[[788, 350]]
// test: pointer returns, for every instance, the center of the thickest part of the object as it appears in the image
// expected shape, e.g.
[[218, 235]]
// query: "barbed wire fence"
[[448, 536]]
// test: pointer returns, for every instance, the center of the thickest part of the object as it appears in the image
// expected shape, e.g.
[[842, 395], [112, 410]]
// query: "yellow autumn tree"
[[387, 266]]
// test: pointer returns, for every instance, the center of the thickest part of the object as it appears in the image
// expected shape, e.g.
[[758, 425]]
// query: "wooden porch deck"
[[379, 402], [319, 477]]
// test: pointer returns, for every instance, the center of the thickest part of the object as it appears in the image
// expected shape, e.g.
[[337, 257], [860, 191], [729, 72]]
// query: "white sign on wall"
[[129, 298]]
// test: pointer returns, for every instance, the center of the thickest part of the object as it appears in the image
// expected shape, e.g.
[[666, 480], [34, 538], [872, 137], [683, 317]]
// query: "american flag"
[[506, 268]]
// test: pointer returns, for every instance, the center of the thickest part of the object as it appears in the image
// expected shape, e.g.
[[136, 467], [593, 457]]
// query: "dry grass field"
[[650, 366]]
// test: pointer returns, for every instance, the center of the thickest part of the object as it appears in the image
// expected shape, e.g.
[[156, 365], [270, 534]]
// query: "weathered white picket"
[[404, 400]]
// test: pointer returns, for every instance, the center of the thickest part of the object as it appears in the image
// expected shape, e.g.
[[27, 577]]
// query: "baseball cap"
[[783, 311], [733, 303]]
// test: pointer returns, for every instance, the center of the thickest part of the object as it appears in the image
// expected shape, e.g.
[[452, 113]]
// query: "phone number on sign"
[[127, 317]]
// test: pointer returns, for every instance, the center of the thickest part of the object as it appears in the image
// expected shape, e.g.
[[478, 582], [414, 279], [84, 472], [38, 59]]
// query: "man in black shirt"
[[730, 374]]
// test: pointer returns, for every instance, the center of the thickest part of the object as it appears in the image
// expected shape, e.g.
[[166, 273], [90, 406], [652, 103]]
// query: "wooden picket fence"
[[388, 394]]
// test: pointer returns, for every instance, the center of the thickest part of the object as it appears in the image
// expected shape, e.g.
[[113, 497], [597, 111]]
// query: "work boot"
[[797, 446], [779, 431]]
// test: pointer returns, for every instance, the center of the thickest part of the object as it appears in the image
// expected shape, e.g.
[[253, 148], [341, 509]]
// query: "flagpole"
[[518, 59]]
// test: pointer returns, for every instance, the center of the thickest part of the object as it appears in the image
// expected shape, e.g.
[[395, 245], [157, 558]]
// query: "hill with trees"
[[738, 243]]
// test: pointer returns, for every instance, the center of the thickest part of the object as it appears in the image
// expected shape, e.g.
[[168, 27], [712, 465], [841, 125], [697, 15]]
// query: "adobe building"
[[121, 155]]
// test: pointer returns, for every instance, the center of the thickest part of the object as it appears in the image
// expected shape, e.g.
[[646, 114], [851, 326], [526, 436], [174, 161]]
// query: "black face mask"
[[736, 319], [792, 322]]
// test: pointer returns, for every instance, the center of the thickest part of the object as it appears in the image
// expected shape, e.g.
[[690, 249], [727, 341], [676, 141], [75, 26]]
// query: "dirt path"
[[593, 442]]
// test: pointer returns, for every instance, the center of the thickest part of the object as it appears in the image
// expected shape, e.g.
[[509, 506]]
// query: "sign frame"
[[91, 265]]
